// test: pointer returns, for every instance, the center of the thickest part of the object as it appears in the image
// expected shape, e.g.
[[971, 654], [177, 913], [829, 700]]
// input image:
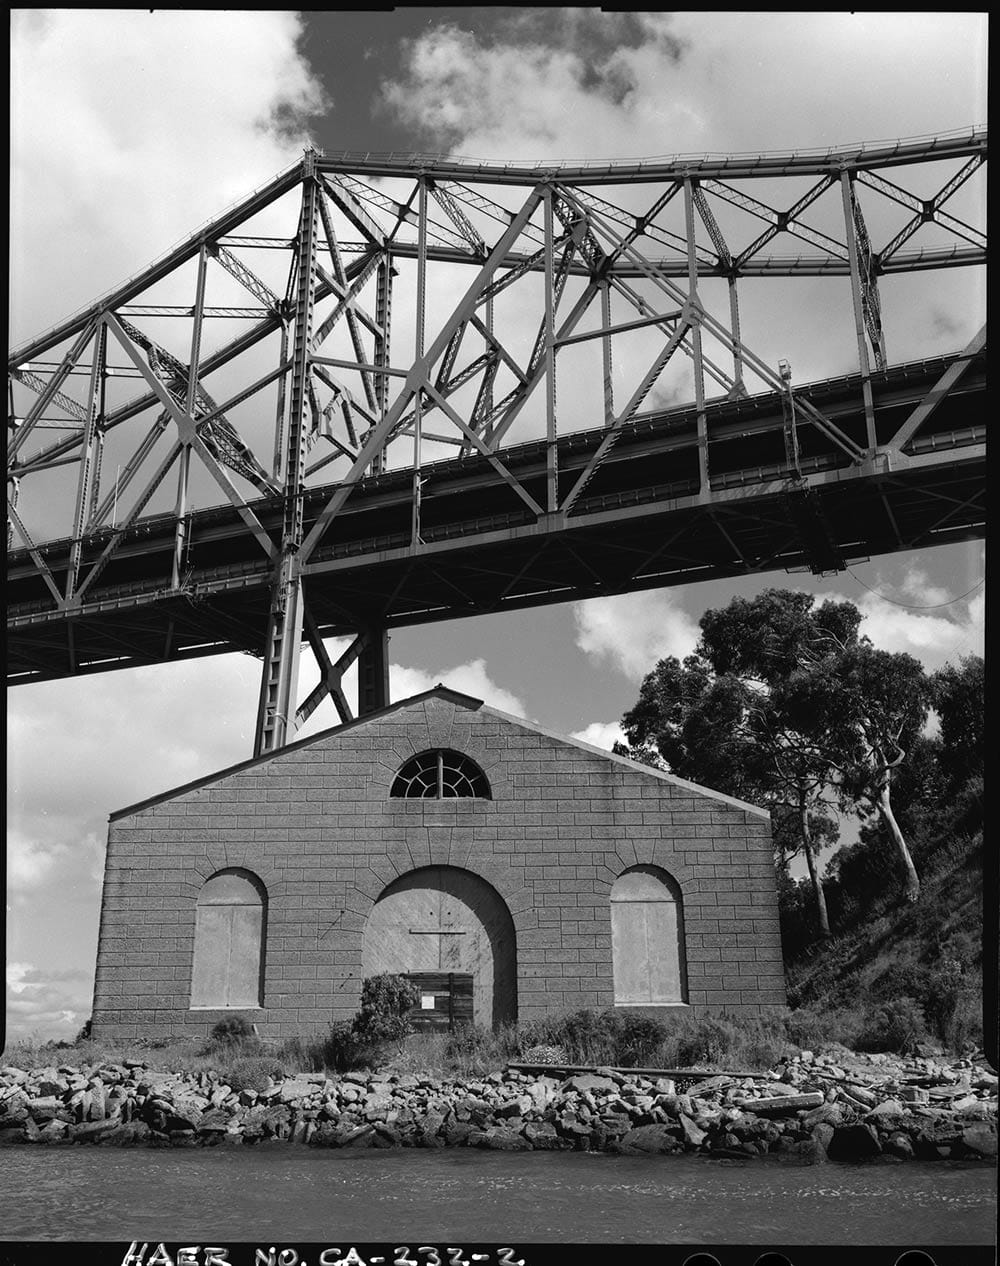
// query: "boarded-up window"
[[229, 941], [647, 938]]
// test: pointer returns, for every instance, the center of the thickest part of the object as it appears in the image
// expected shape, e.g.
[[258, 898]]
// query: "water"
[[277, 1192]]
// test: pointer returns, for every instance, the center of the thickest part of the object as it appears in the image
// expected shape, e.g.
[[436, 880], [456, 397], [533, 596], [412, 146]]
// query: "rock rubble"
[[808, 1108]]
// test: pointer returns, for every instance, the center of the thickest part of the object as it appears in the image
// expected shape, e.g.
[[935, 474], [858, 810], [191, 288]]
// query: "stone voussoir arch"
[[660, 856]]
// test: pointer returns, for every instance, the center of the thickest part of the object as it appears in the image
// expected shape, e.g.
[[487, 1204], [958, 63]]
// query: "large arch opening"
[[450, 930], [647, 939]]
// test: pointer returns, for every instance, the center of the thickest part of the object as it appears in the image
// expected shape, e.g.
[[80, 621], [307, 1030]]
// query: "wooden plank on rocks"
[[777, 1105]]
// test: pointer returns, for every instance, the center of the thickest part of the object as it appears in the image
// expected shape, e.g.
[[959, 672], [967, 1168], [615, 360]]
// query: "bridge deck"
[[640, 523]]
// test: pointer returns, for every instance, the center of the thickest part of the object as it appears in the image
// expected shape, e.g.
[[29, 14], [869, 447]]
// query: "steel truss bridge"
[[378, 466]]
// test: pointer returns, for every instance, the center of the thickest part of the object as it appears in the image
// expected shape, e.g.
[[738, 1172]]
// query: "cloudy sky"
[[130, 128]]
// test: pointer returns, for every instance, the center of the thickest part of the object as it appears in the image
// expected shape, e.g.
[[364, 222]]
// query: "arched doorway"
[[441, 921], [647, 939]]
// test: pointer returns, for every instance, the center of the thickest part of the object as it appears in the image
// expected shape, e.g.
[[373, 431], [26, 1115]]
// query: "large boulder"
[[505, 1140], [542, 1136], [295, 1091], [457, 1132], [898, 1144], [44, 1107], [649, 1138], [981, 1139], [693, 1134], [886, 1110], [214, 1121], [542, 1092], [590, 1081]]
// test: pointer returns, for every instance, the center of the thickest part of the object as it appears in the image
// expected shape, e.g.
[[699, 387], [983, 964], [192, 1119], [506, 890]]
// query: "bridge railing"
[[890, 145]]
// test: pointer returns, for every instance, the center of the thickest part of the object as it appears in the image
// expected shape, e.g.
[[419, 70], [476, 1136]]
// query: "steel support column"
[[699, 366], [373, 671], [418, 398], [279, 684], [184, 462], [549, 356], [84, 492], [859, 318]]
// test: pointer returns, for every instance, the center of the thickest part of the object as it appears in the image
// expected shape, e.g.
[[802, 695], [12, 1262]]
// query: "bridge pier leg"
[[373, 671], [279, 682]]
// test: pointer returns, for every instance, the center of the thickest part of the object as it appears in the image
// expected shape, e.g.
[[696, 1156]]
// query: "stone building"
[[510, 871]]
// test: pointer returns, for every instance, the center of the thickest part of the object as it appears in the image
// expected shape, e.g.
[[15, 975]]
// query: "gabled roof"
[[460, 700]]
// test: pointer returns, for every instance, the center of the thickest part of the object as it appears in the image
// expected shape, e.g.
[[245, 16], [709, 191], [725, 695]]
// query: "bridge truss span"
[[384, 390]]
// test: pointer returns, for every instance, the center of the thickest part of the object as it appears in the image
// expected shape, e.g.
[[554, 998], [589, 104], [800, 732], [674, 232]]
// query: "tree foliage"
[[783, 703], [958, 698], [867, 707]]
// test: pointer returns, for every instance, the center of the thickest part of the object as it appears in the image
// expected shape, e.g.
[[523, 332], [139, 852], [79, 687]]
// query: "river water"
[[276, 1192]]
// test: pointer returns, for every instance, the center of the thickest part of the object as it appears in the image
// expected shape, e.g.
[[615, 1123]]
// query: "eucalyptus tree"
[[721, 717], [784, 703], [869, 707]]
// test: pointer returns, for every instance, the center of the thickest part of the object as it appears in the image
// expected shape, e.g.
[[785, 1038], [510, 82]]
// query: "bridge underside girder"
[[642, 523]]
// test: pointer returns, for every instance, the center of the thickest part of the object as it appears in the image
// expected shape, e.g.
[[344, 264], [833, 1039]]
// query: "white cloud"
[[934, 637], [519, 98], [33, 862], [46, 1005], [153, 120], [551, 87], [16, 973], [633, 631], [601, 734], [917, 585], [30, 863], [470, 679]]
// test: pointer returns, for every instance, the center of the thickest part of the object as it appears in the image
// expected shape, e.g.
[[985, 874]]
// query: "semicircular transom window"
[[441, 774]]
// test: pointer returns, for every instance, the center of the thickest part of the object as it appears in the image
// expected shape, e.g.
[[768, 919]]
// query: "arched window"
[[439, 775], [230, 929], [647, 938]]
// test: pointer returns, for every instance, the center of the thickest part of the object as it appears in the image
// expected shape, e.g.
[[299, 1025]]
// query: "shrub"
[[544, 1053], [252, 1072], [473, 1048], [896, 1026], [623, 1039], [900, 980], [964, 1028], [813, 1030], [344, 1048], [84, 1034], [707, 1041], [231, 1031], [636, 1037], [385, 1000], [942, 994]]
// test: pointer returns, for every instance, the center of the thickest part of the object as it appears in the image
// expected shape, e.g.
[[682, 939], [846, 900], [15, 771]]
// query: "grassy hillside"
[[921, 963]]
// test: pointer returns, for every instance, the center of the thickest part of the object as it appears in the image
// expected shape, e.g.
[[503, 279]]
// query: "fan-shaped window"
[[440, 775], [229, 941]]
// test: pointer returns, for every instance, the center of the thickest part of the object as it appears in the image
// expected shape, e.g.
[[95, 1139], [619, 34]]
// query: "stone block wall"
[[316, 824]]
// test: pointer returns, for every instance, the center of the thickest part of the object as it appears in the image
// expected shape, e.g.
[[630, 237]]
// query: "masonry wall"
[[318, 827]]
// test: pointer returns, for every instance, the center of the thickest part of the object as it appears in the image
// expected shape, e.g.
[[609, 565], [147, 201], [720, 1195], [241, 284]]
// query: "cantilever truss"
[[361, 315]]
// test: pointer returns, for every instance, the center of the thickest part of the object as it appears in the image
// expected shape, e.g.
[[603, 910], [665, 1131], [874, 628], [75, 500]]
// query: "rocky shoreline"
[[809, 1108]]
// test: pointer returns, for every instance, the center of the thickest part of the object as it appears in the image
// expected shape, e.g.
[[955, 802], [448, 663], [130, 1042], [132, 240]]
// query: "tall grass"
[[615, 1038]]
